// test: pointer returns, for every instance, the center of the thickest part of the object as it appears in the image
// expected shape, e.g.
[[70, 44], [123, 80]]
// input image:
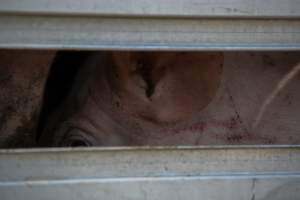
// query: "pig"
[[134, 98]]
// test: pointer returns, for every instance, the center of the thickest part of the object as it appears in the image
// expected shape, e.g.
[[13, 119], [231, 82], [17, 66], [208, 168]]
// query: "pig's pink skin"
[[137, 98]]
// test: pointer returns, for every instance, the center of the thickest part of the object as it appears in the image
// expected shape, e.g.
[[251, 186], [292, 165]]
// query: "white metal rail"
[[178, 8], [151, 24], [243, 173]]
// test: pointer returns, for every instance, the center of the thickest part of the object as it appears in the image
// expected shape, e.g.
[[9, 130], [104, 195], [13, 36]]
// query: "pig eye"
[[76, 138], [78, 142]]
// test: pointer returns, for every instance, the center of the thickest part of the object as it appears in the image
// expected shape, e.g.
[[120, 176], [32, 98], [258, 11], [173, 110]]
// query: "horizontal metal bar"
[[58, 32], [146, 162], [236, 172], [179, 8], [146, 148], [227, 188]]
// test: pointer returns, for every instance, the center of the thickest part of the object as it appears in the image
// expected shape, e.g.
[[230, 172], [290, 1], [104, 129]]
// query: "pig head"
[[134, 98]]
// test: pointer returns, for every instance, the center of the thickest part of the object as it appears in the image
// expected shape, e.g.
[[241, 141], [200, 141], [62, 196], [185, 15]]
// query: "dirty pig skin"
[[135, 98]]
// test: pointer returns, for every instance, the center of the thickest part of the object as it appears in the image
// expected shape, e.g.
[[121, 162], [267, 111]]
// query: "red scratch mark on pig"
[[201, 126], [232, 130], [198, 127]]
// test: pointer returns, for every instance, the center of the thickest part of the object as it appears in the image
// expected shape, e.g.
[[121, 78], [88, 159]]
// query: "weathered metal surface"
[[151, 24], [182, 8], [227, 188], [88, 32], [234, 172]]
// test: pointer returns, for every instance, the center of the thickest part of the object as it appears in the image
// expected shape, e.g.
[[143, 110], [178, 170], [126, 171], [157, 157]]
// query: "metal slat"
[[151, 24], [58, 32], [16, 165], [193, 188], [179, 8], [233, 172]]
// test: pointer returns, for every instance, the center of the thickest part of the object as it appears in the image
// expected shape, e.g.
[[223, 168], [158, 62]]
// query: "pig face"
[[134, 98]]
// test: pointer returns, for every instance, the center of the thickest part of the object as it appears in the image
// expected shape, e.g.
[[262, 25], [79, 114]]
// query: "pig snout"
[[134, 98]]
